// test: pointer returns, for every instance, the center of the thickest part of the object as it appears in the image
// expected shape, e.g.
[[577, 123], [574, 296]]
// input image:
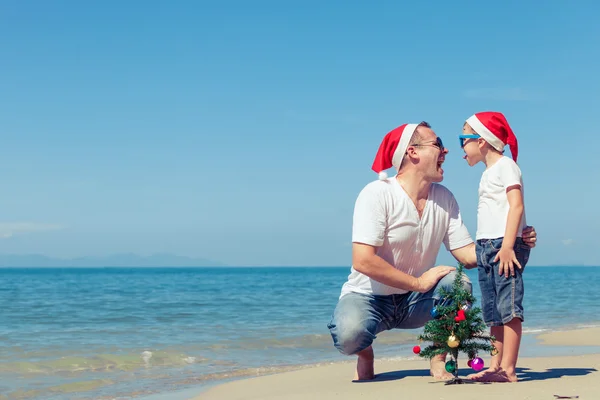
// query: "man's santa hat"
[[392, 149], [494, 128]]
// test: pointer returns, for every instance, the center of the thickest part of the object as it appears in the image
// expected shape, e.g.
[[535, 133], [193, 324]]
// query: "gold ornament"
[[453, 341], [494, 351]]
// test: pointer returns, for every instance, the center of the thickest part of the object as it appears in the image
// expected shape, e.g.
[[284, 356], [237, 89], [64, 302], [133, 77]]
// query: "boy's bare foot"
[[499, 376], [365, 366], [481, 374], [438, 369]]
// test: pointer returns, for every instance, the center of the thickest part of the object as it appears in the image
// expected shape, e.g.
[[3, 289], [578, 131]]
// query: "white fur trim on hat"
[[485, 133], [407, 134], [383, 176]]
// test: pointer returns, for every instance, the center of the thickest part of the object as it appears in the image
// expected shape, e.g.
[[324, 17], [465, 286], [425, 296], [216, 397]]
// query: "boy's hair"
[[470, 128], [466, 124]]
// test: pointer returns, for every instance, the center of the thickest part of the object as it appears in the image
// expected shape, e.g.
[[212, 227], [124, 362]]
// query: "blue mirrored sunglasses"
[[462, 138]]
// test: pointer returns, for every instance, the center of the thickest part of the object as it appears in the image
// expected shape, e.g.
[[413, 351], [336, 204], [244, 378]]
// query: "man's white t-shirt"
[[386, 217], [493, 207]]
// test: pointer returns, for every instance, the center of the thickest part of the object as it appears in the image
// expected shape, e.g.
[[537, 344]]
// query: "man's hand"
[[529, 236], [431, 277], [507, 258]]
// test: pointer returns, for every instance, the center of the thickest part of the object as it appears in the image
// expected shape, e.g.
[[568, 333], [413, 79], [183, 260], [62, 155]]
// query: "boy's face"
[[471, 147]]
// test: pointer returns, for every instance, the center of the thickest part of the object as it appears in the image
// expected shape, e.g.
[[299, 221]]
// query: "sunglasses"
[[462, 139], [438, 143]]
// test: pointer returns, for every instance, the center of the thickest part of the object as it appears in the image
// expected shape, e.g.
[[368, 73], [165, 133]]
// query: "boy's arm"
[[506, 254], [515, 213], [510, 178]]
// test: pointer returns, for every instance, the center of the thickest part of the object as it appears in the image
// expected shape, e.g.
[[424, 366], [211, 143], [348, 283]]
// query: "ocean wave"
[[100, 362], [309, 341], [535, 330]]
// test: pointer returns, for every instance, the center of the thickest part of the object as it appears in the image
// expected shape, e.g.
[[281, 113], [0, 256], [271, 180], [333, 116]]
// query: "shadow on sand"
[[524, 374]]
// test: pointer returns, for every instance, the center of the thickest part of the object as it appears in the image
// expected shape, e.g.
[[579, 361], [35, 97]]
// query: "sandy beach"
[[539, 378]]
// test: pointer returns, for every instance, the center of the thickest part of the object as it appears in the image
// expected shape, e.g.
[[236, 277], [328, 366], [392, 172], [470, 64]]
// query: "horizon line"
[[247, 266]]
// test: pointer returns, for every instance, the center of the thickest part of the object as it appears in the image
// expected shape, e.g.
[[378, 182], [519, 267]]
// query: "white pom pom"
[[383, 176]]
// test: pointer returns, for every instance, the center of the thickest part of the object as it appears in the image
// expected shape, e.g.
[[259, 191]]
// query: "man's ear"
[[411, 152]]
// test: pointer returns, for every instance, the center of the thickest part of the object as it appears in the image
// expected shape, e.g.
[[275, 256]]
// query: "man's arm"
[[457, 240], [466, 255], [366, 261]]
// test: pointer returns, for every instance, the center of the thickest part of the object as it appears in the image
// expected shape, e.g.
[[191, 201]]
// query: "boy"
[[501, 253]]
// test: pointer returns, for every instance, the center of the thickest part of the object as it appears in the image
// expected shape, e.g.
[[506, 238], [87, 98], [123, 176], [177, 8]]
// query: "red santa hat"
[[392, 149], [494, 128]]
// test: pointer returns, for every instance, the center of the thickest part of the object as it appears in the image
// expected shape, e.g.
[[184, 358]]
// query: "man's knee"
[[447, 282], [350, 336]]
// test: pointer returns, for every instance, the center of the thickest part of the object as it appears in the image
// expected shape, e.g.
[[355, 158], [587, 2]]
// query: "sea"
[[170, 333]]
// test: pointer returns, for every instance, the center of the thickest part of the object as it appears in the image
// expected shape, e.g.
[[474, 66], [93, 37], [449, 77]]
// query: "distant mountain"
[[115, 260]]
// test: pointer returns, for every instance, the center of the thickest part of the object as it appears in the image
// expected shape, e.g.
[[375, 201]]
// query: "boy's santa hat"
[[392, 149], [494, 128]]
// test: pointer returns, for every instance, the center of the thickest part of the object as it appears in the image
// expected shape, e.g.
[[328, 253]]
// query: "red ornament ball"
[[417, 349]]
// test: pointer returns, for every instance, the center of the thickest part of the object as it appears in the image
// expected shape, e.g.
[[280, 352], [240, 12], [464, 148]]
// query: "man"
[[399, 225]]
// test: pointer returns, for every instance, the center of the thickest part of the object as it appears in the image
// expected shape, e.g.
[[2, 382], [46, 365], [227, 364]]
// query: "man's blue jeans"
[[358, 318]]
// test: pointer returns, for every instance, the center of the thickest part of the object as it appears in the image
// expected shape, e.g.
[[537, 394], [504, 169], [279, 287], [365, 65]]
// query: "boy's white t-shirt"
[[493, 207], [386, 217]]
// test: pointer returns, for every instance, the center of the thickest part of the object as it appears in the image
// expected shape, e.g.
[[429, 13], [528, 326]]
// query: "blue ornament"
[[434, 313]]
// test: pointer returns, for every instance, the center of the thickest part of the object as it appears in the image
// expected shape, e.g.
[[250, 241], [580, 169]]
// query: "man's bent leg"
[[365, 365], [418, 306], [356, 321], [417, 312]]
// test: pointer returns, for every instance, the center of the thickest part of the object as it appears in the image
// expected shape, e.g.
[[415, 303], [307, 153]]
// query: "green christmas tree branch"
[[469, 334]]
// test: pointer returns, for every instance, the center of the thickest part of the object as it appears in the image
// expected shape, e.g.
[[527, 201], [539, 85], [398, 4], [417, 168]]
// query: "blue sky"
[[243, 132]]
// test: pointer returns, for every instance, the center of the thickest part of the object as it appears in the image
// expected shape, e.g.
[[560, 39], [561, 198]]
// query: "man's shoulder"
[[378, 186]]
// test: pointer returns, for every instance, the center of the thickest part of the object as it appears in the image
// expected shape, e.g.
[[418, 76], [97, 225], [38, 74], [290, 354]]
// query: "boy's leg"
[[498, 333], [488, 269], [512, 341], [497, 330], [510, 306], [356, 321]]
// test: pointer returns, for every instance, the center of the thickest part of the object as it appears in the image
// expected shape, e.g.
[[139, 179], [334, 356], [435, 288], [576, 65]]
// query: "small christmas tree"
[[457, 326]]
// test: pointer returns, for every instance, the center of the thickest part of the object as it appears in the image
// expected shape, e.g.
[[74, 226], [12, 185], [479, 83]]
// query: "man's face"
[[431, 156]]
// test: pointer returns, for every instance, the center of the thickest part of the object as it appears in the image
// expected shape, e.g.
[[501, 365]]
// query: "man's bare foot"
[[499, 376], [481, 374], [438, 369], [365, 366]]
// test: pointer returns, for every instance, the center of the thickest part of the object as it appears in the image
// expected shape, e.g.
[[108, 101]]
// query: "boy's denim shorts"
[[501, 297]]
